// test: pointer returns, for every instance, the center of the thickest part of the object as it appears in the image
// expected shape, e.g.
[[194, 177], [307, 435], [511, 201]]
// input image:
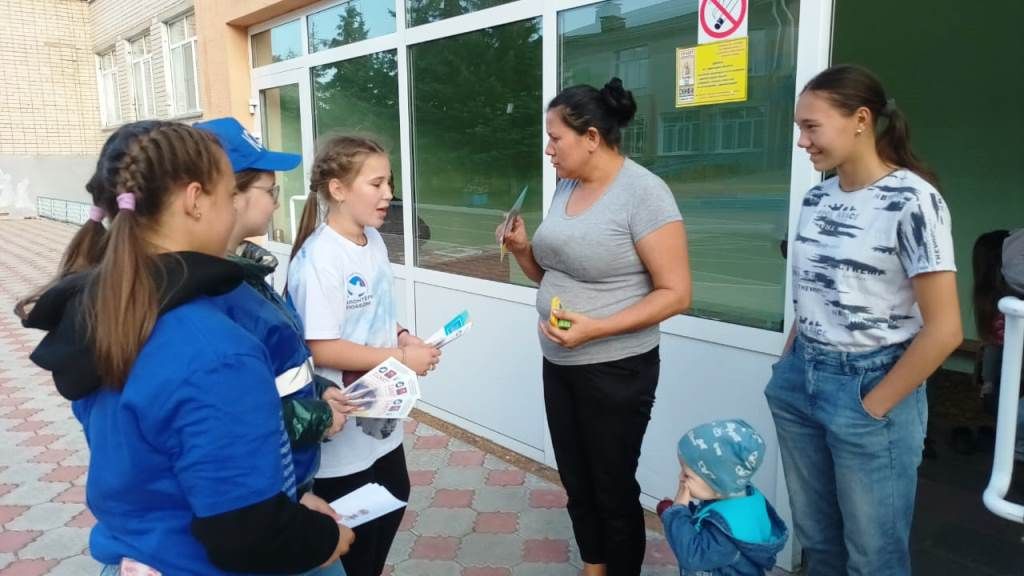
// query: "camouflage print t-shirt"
[[855, 253]]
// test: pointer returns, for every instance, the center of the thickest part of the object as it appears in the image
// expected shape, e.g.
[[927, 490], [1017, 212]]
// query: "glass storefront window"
[[477, 142], [728, 165], [360, 96], [426, 11], [282, 130], [349, 22], [280, 43]]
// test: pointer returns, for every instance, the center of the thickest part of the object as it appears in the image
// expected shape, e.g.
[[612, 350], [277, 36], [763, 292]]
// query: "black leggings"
[[373, 539], [598, 414]]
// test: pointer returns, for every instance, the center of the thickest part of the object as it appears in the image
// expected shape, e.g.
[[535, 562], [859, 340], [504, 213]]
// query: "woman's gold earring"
[[859, 130]]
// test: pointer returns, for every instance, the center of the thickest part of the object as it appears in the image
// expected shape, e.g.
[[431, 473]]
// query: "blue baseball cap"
[[244, 151]]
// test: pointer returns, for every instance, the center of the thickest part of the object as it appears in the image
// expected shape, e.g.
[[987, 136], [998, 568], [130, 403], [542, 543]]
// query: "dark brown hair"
[[989, 284], [849, 88], [607, 110], [341, 158], [147, 160], [246, 178]]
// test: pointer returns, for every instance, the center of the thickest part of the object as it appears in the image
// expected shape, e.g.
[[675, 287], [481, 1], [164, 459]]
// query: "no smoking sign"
[[722, 20]]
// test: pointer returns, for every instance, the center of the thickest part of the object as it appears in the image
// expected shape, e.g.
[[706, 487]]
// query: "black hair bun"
[[619, 101]]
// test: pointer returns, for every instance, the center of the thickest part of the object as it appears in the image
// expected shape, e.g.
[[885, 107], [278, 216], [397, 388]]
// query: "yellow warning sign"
[[712, 73]]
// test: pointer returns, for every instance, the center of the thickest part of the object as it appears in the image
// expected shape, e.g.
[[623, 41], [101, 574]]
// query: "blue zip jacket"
[[733, 537], [186, 469]]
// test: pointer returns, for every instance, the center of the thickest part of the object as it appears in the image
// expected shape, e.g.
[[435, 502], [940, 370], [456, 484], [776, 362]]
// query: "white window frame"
[[147, 108], [303, 40], [722, 125], [676, 120], [640, 68], [634, 136], [101, 85], [169, 80], [813, 55]]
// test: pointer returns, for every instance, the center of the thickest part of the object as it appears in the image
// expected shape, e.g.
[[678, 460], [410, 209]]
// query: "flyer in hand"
[[510, 219], [367, 503], [389, 390], [455, 327]]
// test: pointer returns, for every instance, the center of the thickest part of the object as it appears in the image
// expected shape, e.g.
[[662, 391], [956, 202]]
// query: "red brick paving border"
[[496, 523], [546, 550], [548, 498], [506, 478], [435, 548], [466, 458], [14, 540], [445, 498]]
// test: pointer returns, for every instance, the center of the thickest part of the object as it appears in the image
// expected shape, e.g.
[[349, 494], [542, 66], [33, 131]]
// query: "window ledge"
[[193, 115]]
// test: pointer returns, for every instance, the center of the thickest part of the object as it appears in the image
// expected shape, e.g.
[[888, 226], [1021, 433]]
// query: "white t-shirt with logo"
[[344, 291], [855, 253]]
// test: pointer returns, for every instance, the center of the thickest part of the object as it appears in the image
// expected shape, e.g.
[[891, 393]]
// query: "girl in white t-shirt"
[[874, 290], [340, 282]]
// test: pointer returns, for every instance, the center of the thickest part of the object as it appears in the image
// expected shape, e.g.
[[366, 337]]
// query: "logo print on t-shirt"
[[359, 295], [356, 286]]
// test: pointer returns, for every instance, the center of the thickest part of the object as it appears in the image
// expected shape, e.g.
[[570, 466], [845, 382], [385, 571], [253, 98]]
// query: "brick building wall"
[[48, 98]]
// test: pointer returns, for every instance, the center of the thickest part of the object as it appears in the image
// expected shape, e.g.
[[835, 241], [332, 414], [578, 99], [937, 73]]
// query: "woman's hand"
[[421, 358], [515, 240], [340, 408], [583, 329]]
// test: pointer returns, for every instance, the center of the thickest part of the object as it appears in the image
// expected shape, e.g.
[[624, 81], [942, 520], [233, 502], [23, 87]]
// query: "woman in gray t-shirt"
[[613, 250]]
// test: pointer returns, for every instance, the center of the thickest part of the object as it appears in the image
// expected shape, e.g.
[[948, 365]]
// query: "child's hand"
[[408, 339], [340, 408], [683, 494], [421, 359]]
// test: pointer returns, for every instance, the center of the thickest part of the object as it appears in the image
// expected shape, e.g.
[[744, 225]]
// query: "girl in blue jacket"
[[187, 471], [314, 407]]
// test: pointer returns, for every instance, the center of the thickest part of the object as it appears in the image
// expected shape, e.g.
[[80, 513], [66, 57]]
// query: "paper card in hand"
[[510, 218]]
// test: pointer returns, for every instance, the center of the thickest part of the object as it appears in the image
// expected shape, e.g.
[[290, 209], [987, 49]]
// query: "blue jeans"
[[852, 478]]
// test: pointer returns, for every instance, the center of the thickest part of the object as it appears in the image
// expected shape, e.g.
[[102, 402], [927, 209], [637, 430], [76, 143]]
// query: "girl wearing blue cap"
[[313, 407]]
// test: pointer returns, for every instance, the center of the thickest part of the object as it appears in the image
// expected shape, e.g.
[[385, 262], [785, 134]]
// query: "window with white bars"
[[181, 48], [110, 100], [680, 133], [142, 77], [739, 130], [634, 137], [631, 65]]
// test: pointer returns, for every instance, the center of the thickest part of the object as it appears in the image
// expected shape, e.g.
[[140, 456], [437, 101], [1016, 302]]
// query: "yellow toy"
[[556, 304]]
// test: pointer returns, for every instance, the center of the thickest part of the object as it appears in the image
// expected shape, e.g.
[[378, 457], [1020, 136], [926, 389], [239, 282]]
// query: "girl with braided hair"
[[340, 283], [187, 471]]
